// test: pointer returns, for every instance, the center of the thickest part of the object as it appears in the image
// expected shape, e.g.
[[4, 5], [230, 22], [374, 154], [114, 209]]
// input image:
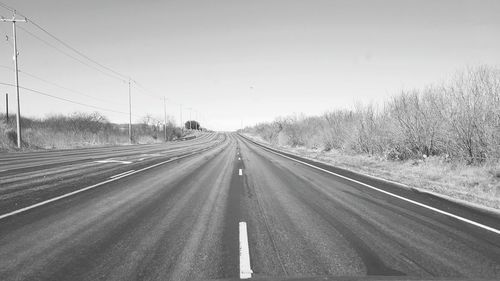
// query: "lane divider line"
[[240, 172], [93, 186], [121, 174], [480, 225], [245, 269], [113, 161]]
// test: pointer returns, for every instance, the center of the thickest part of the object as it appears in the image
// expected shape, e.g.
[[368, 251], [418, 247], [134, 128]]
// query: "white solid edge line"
[[87, 188], [121, 174], [240, 172], [245, 269], [494, 230]]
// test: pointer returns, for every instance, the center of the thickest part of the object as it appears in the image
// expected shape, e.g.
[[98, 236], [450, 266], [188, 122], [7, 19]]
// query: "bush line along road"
[[221, 206]]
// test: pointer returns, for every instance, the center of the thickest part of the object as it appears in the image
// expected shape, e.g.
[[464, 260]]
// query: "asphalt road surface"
[[174, 212]]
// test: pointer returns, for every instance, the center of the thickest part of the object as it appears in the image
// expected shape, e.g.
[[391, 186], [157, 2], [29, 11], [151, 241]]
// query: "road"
[[27, 178], [174, 213]]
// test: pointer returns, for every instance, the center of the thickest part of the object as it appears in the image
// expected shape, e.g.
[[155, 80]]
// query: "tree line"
[[459, 119]]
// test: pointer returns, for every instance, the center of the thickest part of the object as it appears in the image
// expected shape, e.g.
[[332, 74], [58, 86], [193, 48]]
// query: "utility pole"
[[190, 110], [182, 125], [18, 115], [195, 119], [7, 107], [130, 112], [165, 116]]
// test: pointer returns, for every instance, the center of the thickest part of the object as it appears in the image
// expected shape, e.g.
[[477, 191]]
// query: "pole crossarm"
[[13, 20]]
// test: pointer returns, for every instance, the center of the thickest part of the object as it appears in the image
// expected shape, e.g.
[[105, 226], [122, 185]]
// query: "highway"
[[175, 211]]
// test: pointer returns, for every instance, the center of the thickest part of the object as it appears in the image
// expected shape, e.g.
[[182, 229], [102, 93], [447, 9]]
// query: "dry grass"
[[61, 132], [34, 139], [5, 137], [476, 184]]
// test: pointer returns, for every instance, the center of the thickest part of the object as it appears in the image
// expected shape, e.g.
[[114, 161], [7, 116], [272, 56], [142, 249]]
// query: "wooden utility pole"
[[165, 117], [182, 125], [190, 111], [18, 115], [7, 107], [129, 112]]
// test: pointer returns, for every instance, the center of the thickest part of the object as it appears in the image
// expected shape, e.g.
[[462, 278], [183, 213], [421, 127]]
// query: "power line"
[[64, 88], [67, 100], [116, 75], [62, 42], [152, 94], [84, 59], [5, 6], [144, 90], [78, 52], [58, 86], [71, 56]]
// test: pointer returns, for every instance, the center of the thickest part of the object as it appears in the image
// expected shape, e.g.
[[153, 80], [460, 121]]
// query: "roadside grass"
[[74, 131], [471, 183], [49, 139], [6, 134], [45, 138]]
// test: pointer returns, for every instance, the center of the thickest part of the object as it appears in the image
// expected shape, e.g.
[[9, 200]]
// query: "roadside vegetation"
[[444, 138], [81, 129]]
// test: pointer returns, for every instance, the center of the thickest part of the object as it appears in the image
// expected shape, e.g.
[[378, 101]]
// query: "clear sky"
[[238, 61]]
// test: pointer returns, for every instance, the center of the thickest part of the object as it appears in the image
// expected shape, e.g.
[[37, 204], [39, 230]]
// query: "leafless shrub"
[[459, 120], [337, 129]]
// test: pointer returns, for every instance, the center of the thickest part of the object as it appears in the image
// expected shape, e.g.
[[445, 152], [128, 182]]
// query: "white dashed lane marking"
[[122, 174], [117, 177], [245, 269], [113, 161]]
